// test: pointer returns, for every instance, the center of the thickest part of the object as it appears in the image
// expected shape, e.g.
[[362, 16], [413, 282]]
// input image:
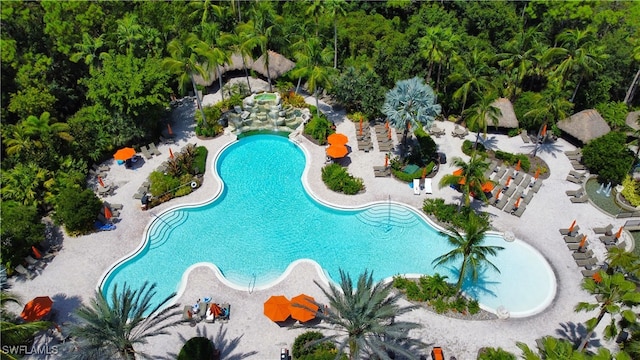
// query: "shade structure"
[[457, 172], [573, 224], [583, 241], [537, 174], [487, 186], [124, 154], [518, 166], [337, 151], [37, 308], [337, 139], [36, 252], [170, 153], [276, 308], [303, 308], [585, 125]]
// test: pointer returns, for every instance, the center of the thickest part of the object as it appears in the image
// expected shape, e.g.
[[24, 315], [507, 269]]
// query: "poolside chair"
[[35, 264], [621, 245], [416, 186], [524, 137], [501, 173], [428, 188], [510, 205], [510, 190], [608, 239], [632, 225], [576, 174], [576, 246], [520, 210], [589, 272], [573, 179], [604, 230], [579, 200], [145, 152], [226, 312], [588, 263], [24, 272], [582, 255], [577, 165], [502, 202], [527, 198], [536, 186], [573, 231], [381, 171], [577, 192], [576, 157], [573, 239], [509, 173], [573, 152], [518, 179]]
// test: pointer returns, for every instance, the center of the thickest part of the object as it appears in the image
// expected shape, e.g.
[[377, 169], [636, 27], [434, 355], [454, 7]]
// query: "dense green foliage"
[[427, 148], [631, 191], [449, 214], [77, 210], [308, 347], [212, 126], [495, 354], [397, 169], [19, 230], [176, 180], [609, 157], [435, 290], [197, 348], [468, 148], [359, 90], [338, 179], [512, 159], [615, 113], [318, 128]]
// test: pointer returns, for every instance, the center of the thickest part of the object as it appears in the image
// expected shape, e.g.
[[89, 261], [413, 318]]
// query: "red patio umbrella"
[[305, 309], [508, 181], [276, 308], [37, 308], [337, 151], [100, 181], [619, 233], [583, 242]]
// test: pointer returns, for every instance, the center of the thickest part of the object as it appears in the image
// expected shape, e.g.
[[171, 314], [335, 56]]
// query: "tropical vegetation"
[[338, 179], [13, 330]]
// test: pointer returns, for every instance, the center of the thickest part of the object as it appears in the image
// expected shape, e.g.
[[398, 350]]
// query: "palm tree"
[[88, 51], [623, 261], [553, 349], [410, 103], [434, 44], [336, 8], [265, 23], [312, 63], [242, 42], [40, 129], [632, 88], [469, 246], [315, 9], [474, 72], [109, 327], [364, 317], [13, 332], [616, 296], [216, 55], [129, 32], [478, 115], [519, 58], [206, 7], [188, 53], [471, 178]]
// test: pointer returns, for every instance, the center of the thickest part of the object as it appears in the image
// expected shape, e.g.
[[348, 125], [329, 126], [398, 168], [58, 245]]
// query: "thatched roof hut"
[[507, 119], [585, 125], [278, 65]]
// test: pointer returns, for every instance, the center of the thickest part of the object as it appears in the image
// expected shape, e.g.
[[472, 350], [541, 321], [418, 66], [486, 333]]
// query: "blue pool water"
[[264, 220]]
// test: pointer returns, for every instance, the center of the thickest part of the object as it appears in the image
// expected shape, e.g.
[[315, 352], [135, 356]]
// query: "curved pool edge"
[[181, 287]]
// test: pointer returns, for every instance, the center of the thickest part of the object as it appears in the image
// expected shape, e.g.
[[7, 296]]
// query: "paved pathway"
[[72, 277]]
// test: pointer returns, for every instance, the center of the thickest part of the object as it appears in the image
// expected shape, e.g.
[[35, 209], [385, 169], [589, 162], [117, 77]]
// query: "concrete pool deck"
[[71, 277]]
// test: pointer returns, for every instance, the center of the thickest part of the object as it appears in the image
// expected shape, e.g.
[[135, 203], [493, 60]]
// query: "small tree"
[[609, 157], [77, 210], [20, 228]]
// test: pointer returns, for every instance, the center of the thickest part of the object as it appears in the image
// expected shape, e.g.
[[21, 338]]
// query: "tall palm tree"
[[553, 349], [474, 72], [434, 45], [205, 11], [266, 24], [241, 41], [313, 62], [470, 180], [315, 9], [578, 53], [217, 54], [616, 296], [632, 88], [519, 58], [410, 103], [336, 9], [187, 56], [469, 246], [129, 32], [364, 318], [113, 327], [41, 129], [549, 107], [89, 51], [13, 332], [480, 113]]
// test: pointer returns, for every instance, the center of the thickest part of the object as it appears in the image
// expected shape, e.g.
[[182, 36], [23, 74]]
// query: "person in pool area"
[[196, 307]]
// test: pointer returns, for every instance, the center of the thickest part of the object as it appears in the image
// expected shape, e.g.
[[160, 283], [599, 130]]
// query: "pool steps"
[[161, 233], [385, 215]]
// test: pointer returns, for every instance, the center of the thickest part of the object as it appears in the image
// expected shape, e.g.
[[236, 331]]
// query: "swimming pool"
[[264, 220]]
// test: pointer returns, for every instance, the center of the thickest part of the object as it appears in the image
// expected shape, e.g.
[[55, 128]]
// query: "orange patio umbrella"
[[169, 130], [276, 308], [518, 166], [386, 124], [36, 252], [337, 151], [303, 308], [619, 233], [100, 181], [573, 224], [37, 308], [424, 172], [487, 186], [517, 204], [508, 180], [498, 195], [544, 130], [583, 241], [597, 278], [457, 172], [107, 213], [215, 309], [537, 174], [360, 127], [386, 160], [124, 154], [337, 139], [170, 153], [389, 134]]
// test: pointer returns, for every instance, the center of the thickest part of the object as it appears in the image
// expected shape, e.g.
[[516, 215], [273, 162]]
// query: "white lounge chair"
[[428, 188], [416, 186]]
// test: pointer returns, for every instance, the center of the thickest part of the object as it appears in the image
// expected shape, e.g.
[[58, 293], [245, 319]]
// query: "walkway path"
[[71, 278]]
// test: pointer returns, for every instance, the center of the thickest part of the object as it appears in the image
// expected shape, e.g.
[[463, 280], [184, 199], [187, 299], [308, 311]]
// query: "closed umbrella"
[[573, 224], [170, 153], [337, 151], [337, 139], [107, 213], [303, 308], [169, 130], [277, 309], [583, 241], [619, 233], [37, 308], [100, 181]]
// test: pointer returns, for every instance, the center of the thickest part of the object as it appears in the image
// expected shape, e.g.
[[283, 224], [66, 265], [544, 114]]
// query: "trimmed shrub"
[[512, 159], [324, 350], [449, 213], [467, 148], [609, 157], [495, 354], [199, 160], [161, 183], [399, 174], [77, 210], [318, 128], [631, 191], [198, 348], [338, 179]]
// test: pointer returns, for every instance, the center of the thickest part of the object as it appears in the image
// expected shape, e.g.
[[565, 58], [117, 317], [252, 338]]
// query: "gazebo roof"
[[585, 125], [507, 118], [278, 65]]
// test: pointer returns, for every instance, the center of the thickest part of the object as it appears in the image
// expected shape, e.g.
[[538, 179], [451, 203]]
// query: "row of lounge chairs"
[[149, 151], [576, 177], [207, 311], [510, 188], [385, 143], [364, 139], [582, 255], [34, 265], [577, 196], [575, 158]]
